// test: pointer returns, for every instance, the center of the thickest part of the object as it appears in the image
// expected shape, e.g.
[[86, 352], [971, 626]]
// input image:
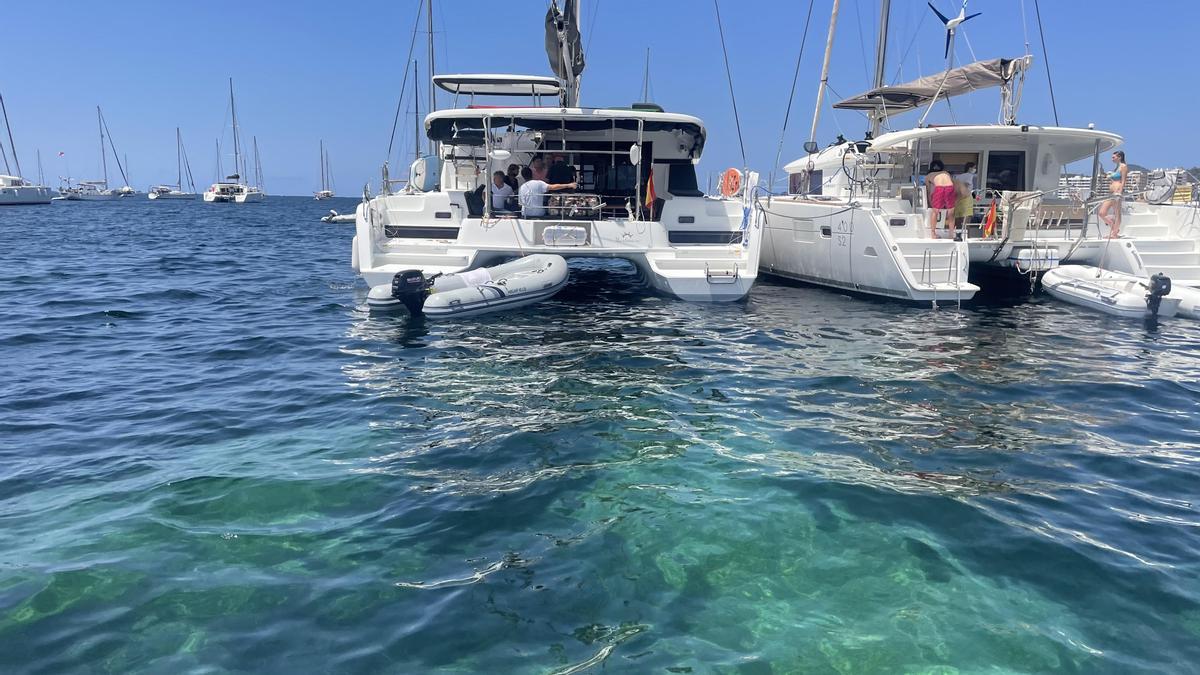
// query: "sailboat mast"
[[885, 7], [41, 178], [237, 151], [11, 146], [103, 157], [416, 115], [258, 177], [646, 78], [432, 88], [812, 135], [178, 160], [322, 165]]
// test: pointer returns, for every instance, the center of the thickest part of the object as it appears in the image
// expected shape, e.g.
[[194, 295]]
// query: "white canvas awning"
[[498, 85], [899, 98]]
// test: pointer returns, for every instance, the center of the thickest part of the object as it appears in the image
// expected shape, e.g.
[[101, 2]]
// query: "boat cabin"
[[625, 162]]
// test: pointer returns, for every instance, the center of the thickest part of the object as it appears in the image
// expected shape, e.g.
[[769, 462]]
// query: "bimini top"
[[465, 127], [498, 85], [899, 98]]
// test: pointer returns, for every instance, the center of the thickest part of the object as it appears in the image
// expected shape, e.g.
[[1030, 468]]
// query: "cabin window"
[[796, 184], [1006, 170]]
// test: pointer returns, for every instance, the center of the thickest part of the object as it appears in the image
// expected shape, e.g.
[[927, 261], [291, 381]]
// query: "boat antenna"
[[810, 147], [729, 78], [404, 83], [11, 146], [791, 96], [432, 70]]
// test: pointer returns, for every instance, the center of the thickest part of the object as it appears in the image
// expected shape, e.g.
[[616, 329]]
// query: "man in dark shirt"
[[560, 172]]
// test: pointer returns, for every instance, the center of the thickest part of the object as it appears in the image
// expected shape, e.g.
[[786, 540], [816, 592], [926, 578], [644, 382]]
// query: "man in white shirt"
[[501, 191], [533, 194]]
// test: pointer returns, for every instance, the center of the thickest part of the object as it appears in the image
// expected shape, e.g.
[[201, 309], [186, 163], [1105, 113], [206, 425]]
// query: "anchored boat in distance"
[[326, 191], [181, 163], [232, 190], [13, 188], [98, 190]]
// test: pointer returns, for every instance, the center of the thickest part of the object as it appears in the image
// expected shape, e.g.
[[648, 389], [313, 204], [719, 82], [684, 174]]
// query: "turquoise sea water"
[[212, 460]]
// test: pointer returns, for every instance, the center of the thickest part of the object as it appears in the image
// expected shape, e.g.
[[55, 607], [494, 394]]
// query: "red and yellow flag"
[[989, 223], [650, 195]]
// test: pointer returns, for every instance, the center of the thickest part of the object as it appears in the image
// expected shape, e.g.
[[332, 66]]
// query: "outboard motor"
[[411, 288], [1160, 286]]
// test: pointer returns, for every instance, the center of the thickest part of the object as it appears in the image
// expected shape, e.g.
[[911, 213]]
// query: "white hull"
[[12, 195], [190, 196], [247, 196], [1113, 293], [98, 197], [325, 194], [519, 283]]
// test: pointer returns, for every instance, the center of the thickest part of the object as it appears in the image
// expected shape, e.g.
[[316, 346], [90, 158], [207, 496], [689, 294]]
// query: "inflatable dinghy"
[[517, 283], [1113, 293], [335, 217]]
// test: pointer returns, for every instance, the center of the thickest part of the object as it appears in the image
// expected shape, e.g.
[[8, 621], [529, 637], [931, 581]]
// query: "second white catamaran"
[[232, 190]]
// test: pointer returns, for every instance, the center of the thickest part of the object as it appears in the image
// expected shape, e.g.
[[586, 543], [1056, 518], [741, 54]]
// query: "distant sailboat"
[[326, 190], [98, 190], [176, 191], [232, 190], [13, 188]]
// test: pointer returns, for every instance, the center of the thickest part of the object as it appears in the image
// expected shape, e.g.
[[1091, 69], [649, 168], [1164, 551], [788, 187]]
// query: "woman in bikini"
[[942, 195], [1110, 210]]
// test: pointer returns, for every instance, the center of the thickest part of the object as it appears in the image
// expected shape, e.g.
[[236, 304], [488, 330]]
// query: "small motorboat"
[[517, 283], [335, 217], [1115, 293]]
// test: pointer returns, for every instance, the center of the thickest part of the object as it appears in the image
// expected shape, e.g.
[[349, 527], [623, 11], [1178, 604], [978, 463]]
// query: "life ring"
[[731, 182]]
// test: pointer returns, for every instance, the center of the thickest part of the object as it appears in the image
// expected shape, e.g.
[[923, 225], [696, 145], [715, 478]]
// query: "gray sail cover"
[[564, 21], [962, 80]]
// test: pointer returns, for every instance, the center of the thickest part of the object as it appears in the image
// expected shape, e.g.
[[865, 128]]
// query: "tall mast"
[[103, 158], [322, 165], [880, 61], [258, 178], [646, 78], [416, 115], [432, 88], [220, 173], [237, 150], [11, 146], [41, 178], [178, 160], [812, 135]]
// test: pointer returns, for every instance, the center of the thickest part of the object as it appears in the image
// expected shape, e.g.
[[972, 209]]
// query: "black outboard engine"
[[411, 288], [1160, 286]]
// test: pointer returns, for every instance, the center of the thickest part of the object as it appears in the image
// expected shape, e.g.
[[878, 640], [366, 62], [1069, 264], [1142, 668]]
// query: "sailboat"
[[176, 191], [98, 190], [232, 189], [13, 188], [326, 190]]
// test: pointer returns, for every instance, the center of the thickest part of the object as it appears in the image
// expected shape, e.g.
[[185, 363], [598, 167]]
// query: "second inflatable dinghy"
[[517, 283], [1113, 293]]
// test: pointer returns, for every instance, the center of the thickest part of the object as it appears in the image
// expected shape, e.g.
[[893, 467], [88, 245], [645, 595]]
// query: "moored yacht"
[[620, 183], [176, 191], [98, 190], [14, 189], [326, 191], [232, 190]]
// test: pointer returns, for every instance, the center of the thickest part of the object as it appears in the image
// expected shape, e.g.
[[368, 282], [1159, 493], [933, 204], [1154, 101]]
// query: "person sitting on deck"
[[513, 176], [560, 171], [533, 194], [501, 191], [941, 194]]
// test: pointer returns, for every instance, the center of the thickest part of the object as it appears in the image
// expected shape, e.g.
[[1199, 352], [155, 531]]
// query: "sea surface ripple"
[[213, 460]]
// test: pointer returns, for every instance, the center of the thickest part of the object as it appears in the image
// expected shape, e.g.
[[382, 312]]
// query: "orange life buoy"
[[731, 182]]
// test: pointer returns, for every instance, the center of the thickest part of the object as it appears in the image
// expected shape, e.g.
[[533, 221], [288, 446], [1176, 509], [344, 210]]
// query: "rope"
[[1046, 55], [729, 77], [404, 83], [791, 95]]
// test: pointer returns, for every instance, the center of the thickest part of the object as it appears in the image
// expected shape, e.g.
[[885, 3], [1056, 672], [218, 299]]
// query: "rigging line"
[[11, 145], [1046, 55], [792, 94], [900, 66], [591, 32], [404, 84], [862, 45], [729, 77]]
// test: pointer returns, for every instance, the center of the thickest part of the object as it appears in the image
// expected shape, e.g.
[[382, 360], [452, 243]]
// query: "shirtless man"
[[941, 193]]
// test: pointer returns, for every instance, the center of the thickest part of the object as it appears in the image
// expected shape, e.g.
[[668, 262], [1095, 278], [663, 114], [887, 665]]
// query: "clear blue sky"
[[309, 70]]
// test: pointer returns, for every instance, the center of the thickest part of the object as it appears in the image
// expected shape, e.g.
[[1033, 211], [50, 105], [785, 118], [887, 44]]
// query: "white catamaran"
[[13, 188], [232, 190], [183, 169], [98, 190], [326, 191], [617, 183]]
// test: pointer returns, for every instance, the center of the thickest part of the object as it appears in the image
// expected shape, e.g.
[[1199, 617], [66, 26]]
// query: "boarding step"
[[1139, 231], [407, 260], [1165, 245], [1190, 258]]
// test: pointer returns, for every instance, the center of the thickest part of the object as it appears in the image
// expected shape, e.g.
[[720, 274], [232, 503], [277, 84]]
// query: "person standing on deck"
[[965, 206], [941, 195], [1110, 210]]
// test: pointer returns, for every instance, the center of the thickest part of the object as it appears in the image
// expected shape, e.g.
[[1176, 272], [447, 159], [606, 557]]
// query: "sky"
[[306, 70]]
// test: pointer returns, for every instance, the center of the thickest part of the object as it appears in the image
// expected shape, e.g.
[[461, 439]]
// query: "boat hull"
[[189, 196], [25, 194], [510, 285]]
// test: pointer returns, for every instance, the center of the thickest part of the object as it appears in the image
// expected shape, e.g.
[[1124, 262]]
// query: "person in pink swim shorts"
[[942, 195]]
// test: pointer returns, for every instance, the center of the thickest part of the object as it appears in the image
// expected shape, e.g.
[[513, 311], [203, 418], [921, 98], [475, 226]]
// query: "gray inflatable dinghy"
[[517, 283]]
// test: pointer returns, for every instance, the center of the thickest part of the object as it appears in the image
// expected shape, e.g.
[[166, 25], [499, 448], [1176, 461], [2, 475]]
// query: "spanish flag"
[[989, 223], [650, 195]]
